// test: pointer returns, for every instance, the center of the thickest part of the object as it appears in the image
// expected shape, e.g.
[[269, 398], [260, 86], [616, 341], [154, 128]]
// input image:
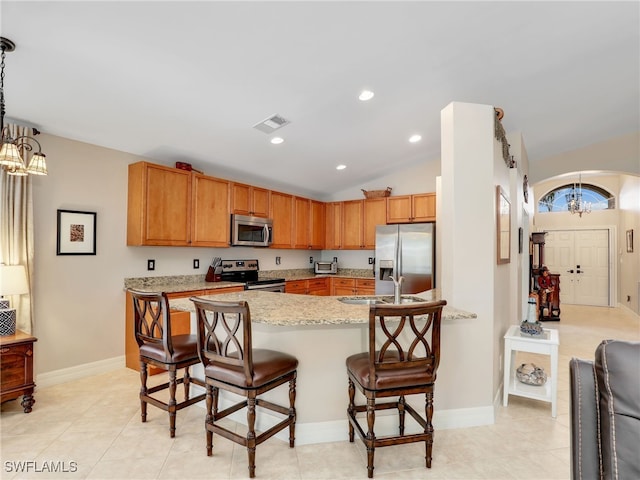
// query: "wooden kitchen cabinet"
[[353, 286], [411, 208], [16, 368], [296, 287], [343, 286], [282, 214], [365, 286], [333, 226], [302, 213], [310, 286], [316, 225], [374, 213], [174, 207], [359, 221], [249, 200], [309, 224], [318, 286], [159, 205], [210, 212], [352, 224]]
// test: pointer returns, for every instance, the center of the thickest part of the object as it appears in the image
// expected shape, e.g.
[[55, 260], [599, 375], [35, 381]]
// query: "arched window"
[[557, 200]]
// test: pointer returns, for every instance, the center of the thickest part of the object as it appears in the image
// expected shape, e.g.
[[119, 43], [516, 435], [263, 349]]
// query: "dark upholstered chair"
[[231, 364], [605, 413], [403, 357], [152, 324]]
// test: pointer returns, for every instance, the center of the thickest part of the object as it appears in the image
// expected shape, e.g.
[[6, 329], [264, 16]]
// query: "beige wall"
[[620, 154]]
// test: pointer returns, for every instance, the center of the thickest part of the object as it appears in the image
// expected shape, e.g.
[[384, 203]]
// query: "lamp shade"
[[9, 155], [38, 164], [13, 280]]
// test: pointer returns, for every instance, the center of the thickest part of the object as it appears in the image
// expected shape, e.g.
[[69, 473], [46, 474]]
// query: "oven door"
[[249, 231]]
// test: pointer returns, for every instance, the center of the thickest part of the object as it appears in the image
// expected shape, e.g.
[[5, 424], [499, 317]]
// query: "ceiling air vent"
[[271, 124]]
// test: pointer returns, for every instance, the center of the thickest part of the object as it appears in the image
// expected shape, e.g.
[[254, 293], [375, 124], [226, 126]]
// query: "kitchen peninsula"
[[321, 331]]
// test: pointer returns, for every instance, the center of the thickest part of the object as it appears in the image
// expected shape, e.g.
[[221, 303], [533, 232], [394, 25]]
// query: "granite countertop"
[[178, 283], [186, 283], [283, 309]]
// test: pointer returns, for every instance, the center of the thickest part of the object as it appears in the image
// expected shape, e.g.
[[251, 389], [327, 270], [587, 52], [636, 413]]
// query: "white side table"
[[546, 344]]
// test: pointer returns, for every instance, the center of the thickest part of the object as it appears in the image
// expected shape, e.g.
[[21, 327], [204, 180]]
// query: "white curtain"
[[16, 231]]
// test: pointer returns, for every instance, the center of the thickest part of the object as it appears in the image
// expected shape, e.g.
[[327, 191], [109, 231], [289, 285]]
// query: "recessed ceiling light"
[[366, 95], [415, 138], [341, 167], [277, 140]]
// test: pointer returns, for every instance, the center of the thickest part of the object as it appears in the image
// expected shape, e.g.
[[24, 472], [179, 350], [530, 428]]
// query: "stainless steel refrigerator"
[[406, 250]]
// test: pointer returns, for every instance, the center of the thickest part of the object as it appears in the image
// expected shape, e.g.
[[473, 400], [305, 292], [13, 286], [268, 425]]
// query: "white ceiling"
[[186, 81]]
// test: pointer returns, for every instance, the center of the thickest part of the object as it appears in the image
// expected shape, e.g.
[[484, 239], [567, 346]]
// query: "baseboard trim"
[[65, 375], [627, 308]]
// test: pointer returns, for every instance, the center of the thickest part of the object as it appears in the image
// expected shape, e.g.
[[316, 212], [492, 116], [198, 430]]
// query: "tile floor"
[[95, 423]]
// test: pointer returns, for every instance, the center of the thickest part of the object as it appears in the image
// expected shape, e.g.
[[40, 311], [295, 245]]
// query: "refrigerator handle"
[[399, 257]]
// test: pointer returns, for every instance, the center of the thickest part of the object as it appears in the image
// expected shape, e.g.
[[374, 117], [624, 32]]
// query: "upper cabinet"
[[173, 207], [309, 224], [281, 212], [352, 222], [169, 206], [159, 205], [249, 200], [209, 212], [333, 226], [411, 208], [359, 220], [374, 213]]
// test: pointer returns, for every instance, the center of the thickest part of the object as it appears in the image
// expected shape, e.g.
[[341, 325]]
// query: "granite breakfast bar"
[[321, 332]]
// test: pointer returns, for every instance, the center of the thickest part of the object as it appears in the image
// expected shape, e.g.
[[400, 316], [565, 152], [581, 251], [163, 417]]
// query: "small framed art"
[[76, 233]]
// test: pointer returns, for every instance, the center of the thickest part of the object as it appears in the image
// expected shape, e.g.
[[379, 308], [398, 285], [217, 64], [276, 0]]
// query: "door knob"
[[579, 271], [570, 271]]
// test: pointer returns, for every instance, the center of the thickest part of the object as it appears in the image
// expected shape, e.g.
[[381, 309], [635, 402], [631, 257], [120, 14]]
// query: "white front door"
[[581, 257]]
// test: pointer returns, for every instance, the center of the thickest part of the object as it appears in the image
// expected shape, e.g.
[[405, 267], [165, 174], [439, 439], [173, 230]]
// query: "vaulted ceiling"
[[186, 81]]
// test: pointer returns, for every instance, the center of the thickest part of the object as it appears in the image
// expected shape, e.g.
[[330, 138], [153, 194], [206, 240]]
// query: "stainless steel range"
[[247, 271]]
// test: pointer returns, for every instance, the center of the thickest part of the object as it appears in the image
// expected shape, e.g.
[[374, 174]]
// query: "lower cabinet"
[[180, 323], [353, 286], [312, 286]]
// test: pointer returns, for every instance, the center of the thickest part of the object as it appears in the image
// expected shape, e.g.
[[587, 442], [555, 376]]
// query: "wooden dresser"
[[16, 368]]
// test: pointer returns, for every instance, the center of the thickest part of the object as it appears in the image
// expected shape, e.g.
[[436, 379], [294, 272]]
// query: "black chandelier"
[[10, 157]]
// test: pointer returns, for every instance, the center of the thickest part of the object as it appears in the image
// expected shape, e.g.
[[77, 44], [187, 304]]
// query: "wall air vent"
[[271, 124]]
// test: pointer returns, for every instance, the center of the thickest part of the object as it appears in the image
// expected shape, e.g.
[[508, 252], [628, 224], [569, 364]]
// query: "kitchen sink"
[[385, 300], [361, 300], [404, 299]]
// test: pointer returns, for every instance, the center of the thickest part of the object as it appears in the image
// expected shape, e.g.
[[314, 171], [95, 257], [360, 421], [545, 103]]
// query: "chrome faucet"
[[397, 288]]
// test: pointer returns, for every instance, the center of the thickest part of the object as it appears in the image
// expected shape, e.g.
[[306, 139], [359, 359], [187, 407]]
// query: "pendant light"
[[10, 157]]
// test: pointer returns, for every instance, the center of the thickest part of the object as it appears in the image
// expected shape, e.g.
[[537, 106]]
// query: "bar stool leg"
[[143, 391], [251, 435], [429, 429], [208, 423], [350, 409], [172, 402], [371, 436], [292, 411]]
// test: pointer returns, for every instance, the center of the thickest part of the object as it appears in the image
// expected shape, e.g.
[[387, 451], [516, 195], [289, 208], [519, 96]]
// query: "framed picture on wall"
[[630, 241], [76, 233], [503, 226]]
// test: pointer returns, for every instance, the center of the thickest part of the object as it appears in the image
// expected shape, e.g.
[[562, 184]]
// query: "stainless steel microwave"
[[249, 231]]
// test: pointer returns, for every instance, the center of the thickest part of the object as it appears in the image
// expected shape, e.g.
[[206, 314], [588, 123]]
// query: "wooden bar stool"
[[231, 364], [401, 361], [152, 324]]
